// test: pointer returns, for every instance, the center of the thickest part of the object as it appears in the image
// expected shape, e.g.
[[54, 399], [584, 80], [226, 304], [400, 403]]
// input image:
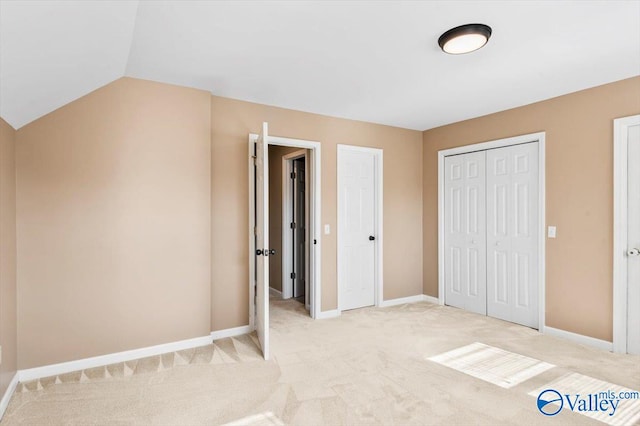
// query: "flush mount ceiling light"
[[465, 38]]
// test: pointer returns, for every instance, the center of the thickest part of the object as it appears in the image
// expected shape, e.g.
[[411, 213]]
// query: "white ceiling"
[[364, 60]]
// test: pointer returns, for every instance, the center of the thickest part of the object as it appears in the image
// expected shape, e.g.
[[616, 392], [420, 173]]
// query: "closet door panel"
[[512, 244], [465, 232]]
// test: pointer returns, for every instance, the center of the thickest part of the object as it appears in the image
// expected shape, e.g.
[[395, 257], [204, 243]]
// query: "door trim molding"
[[287, 249], [499, 143], [378, 220], [315, 211], [620, 176]]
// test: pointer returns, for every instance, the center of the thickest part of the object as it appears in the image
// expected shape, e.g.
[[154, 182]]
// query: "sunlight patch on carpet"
[[493, 365]]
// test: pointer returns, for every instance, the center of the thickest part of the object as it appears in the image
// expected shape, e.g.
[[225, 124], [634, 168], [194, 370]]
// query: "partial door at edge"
[[633, 240]]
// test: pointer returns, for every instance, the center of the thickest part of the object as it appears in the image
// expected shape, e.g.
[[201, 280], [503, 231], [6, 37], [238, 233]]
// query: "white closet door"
[[465, 232], [512, 234]]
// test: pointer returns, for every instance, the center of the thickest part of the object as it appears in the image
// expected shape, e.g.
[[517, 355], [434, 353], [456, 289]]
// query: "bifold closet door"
[[512, 234], [465, 232]]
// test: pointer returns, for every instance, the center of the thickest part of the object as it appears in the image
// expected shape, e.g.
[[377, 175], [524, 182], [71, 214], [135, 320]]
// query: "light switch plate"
[[551, 233], [327, 229]]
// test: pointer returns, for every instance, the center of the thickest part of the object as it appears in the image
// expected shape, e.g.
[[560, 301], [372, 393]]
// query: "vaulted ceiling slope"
[[363, 60]]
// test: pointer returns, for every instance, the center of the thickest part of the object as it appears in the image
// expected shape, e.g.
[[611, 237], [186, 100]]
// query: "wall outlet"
[[327, 229], [551, 232]]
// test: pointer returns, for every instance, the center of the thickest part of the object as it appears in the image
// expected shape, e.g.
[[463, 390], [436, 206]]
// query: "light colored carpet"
[[369, 366]]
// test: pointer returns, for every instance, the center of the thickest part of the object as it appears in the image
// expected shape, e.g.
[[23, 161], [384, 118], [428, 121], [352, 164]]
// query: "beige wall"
[[232, 121], [131, 197], [132, 208], [579, 196], [8, 303], [275, 212], [114, 221]]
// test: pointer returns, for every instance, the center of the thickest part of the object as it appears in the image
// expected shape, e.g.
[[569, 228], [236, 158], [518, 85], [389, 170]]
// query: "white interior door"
[[633, 239], [356, 228], [512, 234], [465, 224], [262, 241]]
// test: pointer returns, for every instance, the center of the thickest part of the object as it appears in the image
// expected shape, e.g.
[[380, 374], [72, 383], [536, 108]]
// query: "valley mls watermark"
[[550, 402]]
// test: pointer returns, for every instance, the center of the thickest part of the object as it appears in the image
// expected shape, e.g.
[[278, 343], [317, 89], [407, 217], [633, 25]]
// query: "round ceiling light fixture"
[[464, 39]]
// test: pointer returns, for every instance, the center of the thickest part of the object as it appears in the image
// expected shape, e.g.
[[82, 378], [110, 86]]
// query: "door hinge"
[[293, 225], [293, 175], [293, 275]]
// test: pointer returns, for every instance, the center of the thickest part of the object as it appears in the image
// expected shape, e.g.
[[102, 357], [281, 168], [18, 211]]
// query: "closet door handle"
[[371, 238]]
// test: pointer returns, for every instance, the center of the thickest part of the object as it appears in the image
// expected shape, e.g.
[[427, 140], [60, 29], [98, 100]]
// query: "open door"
[[262, 241]]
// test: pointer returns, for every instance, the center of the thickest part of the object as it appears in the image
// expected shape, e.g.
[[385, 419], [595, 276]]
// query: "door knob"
[[272, 252], [371, 238], [259, 252], [633, 252]]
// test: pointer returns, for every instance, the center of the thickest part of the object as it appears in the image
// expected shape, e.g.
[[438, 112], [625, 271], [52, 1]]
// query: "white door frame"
[[378, 219], [315, 255], [620, 284], [287, 202], [516, 140]]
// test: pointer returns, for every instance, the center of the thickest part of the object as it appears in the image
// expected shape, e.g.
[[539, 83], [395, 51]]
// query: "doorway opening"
[[289, 223], [262, 256], [295, 227]]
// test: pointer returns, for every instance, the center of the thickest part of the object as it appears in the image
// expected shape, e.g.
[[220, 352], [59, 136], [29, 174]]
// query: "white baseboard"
[[8, 394], [402, 300], [99, 361], [275, 293], [328, 314], [579, 338], [431, 299], [231, 332]]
